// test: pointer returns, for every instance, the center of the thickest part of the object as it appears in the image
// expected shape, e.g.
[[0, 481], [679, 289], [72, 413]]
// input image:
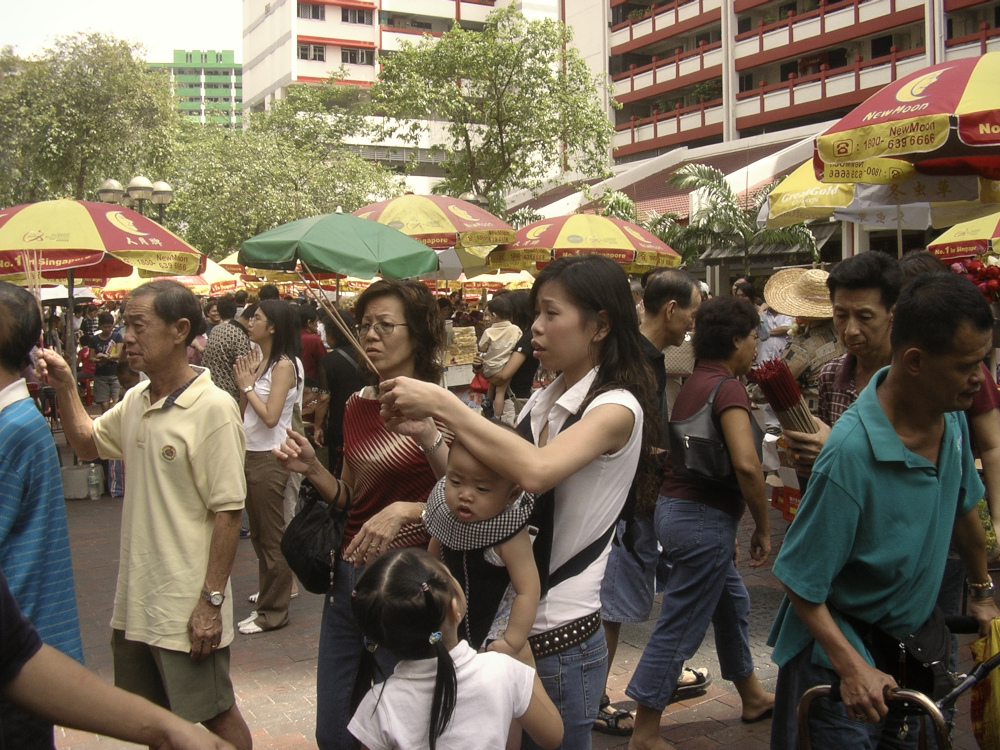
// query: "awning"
[[778, 254]]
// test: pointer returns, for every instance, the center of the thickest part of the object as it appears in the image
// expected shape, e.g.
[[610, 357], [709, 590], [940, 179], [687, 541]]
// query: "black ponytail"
[[400, 603]]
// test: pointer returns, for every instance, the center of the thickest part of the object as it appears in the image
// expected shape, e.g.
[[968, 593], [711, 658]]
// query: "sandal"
[[685, 690], [607, 722]]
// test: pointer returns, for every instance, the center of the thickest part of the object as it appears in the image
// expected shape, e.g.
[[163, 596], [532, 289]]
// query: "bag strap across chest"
[[543, 518]]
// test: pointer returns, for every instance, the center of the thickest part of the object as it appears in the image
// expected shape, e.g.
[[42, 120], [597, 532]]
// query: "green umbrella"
[[340, 243]]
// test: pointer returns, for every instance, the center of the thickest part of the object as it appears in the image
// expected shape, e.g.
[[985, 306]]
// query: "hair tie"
[[370, 645], [435, 637], [424, 587]]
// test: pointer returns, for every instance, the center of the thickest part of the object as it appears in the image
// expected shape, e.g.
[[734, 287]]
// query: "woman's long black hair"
[[400, 604], [287, 341], [595, 284]]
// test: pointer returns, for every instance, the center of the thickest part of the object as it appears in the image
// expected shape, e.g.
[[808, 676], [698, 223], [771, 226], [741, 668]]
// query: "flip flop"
[[765, 715], [610, 721], [702, 679]]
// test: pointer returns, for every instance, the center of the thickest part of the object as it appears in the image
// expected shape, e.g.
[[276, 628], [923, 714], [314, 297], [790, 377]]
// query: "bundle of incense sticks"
[[334, 314], [783, 394]]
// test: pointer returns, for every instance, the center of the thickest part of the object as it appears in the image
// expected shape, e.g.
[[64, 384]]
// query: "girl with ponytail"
[[442, 695]]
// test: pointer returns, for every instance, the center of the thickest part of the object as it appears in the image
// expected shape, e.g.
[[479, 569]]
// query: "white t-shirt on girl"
[[586, 503], [493, 688]]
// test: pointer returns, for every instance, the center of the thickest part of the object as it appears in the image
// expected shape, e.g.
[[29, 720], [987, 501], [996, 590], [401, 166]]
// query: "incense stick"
[[334, 315], [783, 394]]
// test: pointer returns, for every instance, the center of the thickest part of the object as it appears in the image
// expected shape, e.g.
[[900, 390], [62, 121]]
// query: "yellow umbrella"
[[939, 120], [214, 280], [632, 247], [916, 203], [494, 281]]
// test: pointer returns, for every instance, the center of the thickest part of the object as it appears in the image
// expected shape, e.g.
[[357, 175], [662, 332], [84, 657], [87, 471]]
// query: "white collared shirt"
[[588, 502]]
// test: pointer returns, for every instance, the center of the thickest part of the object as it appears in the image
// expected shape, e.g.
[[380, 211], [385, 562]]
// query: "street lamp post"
[[139, 189], [162, 195]]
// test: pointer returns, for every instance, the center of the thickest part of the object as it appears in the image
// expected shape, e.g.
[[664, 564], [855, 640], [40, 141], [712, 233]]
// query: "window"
[[743, 25], [356, 15], [426, 25], [189, 57], [357, 56], [746, 82], [312, 12], [881, 46], [787, 69], [312, 52]]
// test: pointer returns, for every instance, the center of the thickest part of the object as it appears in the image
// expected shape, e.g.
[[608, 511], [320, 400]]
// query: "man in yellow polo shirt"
[[182, 440]]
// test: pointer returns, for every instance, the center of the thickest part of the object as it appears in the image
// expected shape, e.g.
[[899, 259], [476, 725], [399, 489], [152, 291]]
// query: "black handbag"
[[697, 450], [312, 539]]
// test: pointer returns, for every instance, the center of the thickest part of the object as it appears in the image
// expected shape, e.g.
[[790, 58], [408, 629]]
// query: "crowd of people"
[[489, 558]]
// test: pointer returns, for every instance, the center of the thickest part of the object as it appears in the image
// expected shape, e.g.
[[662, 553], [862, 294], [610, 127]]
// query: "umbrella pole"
[[335, 317], [70, 348], [899, 233]]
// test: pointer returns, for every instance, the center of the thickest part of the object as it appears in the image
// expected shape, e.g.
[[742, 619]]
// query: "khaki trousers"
[[266, 481]]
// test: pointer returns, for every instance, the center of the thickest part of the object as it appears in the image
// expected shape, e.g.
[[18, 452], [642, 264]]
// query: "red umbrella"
[[940, 120], [634, 248]]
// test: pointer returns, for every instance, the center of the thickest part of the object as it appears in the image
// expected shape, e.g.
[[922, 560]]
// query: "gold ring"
[[372, 545]]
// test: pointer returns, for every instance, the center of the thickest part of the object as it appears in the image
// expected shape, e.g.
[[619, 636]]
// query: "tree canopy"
[[86, 109], [512, 105], [287, 163]]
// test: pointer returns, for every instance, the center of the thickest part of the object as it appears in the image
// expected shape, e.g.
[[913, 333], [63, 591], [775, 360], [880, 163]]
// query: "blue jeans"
[[341, 647], [703, 586], [829, 726], [574, 680], [630, 578]]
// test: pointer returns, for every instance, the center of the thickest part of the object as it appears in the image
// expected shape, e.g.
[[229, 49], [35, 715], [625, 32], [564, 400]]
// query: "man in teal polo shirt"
[[894, 482]]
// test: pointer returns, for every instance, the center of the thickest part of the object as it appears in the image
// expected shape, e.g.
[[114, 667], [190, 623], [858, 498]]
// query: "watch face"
[[216, 598]]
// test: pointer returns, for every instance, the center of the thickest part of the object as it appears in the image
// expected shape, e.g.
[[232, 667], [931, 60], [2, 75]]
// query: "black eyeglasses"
[[381, 328]]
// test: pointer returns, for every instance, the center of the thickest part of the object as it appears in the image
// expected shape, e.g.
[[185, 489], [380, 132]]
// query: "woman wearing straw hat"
[[803, 294]]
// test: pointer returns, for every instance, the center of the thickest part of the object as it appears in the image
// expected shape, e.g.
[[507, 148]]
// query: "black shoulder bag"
[[312, 539], [698, 450]]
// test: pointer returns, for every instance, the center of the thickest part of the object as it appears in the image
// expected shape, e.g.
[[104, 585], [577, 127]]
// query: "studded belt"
[[565, 636]]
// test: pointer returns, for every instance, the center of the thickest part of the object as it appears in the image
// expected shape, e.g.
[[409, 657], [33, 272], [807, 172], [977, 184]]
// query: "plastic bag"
[[986, 694]]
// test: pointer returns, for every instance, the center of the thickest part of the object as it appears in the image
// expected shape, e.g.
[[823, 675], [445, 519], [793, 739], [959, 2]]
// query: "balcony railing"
[[662, 17], [662, 71], [664, 128], [828, 17], [770, 100], [986, 39], [393, 36]]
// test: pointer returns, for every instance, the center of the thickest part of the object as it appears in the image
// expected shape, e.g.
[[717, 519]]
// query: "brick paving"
[[275, 673]]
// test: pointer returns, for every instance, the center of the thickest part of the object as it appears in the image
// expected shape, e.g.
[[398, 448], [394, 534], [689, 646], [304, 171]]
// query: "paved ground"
[[275, 673]]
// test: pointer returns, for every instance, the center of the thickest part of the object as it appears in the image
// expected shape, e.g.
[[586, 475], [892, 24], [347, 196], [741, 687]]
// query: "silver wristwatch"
[[215, 598]]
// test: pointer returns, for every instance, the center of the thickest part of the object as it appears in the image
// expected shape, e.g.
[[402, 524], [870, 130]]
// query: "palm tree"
[[725, 220]]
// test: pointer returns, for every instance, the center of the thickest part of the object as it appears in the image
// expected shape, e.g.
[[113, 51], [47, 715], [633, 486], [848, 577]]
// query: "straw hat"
[[799, 292]]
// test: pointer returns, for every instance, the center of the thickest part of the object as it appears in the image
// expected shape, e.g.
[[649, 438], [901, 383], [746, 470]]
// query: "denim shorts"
[[630, 578]]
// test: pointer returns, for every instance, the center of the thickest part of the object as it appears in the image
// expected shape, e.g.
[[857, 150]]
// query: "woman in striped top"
[[386, 478]]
